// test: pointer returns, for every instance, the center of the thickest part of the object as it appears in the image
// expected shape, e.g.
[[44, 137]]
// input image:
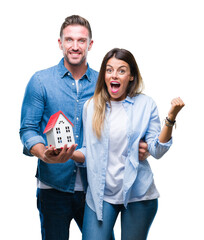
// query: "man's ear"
[[90, 45], [60, 43]]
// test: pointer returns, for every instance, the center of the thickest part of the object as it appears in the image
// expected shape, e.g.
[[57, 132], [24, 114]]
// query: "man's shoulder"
[[93, 71], [46, 71], [46, 75]]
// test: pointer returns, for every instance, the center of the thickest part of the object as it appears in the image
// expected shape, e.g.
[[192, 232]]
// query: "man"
[[66, 87]]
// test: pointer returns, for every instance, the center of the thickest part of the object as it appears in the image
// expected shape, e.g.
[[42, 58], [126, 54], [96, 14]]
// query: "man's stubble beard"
[[75, 64]]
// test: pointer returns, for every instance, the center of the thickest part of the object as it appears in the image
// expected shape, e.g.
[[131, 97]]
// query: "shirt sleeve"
[[155, 147], [31, 115]]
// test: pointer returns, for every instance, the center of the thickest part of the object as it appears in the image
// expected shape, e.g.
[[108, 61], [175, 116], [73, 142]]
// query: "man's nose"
[[75, 45]]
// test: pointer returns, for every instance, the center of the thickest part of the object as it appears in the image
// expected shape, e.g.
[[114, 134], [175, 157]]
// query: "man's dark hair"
[[76, 20]]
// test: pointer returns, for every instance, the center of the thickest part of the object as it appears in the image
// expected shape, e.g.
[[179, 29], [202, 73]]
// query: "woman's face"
[[117, 77]]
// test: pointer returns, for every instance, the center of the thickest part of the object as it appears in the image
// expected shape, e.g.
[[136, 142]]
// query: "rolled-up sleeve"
[[155, 147], [31, 115]]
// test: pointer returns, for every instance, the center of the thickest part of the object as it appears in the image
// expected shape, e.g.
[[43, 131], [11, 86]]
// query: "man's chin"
[[74, 62]]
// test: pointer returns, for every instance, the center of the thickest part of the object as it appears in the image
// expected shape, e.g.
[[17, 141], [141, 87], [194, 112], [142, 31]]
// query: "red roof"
[[52, 121]]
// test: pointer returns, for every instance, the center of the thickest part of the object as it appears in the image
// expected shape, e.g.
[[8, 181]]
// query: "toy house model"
[[59, 131]]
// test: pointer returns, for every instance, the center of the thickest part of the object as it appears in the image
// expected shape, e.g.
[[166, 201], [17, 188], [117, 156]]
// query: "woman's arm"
[[176, 105], [78, 157]]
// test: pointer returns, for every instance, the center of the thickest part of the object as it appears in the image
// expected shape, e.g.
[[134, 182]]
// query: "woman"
[[115, 120]]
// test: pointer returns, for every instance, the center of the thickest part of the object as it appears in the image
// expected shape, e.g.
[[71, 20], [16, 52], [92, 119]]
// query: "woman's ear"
[[131, 78]]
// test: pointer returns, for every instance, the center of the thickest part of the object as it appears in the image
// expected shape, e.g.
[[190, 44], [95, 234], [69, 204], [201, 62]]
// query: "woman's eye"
[[108, 70], [122, 71]]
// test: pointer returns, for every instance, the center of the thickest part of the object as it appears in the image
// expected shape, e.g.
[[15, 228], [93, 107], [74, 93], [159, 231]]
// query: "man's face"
[[75, 44]]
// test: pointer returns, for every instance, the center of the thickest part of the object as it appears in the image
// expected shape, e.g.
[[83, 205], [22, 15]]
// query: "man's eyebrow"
[[83, 38]]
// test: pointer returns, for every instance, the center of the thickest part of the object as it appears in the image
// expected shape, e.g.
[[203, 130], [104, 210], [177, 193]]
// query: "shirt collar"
[[63, 71], [126, 100]]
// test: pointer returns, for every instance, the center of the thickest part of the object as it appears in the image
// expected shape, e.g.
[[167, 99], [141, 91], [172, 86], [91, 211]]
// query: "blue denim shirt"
[[47, 92], [143, 123]]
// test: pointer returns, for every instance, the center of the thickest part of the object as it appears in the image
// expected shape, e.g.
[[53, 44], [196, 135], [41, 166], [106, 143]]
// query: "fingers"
[[143, 145], [66, 153], [178, 102], [176, 105], [67, 149], [143, 150], [53, 155]]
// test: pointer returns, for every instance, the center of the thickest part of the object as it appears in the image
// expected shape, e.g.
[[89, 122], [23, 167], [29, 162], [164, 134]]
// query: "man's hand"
[[143, 151], [53, 155]]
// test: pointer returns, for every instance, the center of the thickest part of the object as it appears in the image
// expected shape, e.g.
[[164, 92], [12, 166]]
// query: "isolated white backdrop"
[[167, 39]]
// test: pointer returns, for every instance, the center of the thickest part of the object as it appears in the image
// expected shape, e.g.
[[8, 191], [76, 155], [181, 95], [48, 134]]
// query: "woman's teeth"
[[115, 86]]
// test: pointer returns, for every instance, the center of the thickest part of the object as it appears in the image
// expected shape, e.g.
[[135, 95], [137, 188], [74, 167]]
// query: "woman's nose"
[[114, 74]]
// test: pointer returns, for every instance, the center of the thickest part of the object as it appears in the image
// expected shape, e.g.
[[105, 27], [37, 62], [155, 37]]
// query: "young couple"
[[115, 120]]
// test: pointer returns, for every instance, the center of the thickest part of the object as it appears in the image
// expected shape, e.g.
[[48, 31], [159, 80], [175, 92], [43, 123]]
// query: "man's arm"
[[31, 115], [51, 154], [38, 150]]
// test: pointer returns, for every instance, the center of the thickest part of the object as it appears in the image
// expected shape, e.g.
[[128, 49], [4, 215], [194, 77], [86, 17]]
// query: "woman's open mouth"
[[115, 86]]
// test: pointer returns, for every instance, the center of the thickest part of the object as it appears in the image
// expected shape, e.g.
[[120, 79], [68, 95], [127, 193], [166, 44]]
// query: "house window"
[[67, 129], [69, 139], [58, 130], [59, 140]]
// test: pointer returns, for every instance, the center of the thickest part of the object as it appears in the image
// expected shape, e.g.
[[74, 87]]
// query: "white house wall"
[[50, 138], [61, 124]]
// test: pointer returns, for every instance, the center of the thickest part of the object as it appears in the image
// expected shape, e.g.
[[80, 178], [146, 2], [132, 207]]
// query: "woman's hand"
[[176, 105]]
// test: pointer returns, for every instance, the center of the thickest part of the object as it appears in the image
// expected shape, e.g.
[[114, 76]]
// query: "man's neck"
[[76, 71]]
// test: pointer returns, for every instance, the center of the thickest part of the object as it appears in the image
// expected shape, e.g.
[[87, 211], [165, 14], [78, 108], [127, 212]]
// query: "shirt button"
[[68, 73], [77, 100], [77, 119], [77, 136], [72, 84], [74, 171]]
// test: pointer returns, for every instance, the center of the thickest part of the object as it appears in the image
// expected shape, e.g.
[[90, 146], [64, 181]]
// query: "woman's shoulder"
[[88, 104], [143, 97], [88, 101], [142, 100]]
